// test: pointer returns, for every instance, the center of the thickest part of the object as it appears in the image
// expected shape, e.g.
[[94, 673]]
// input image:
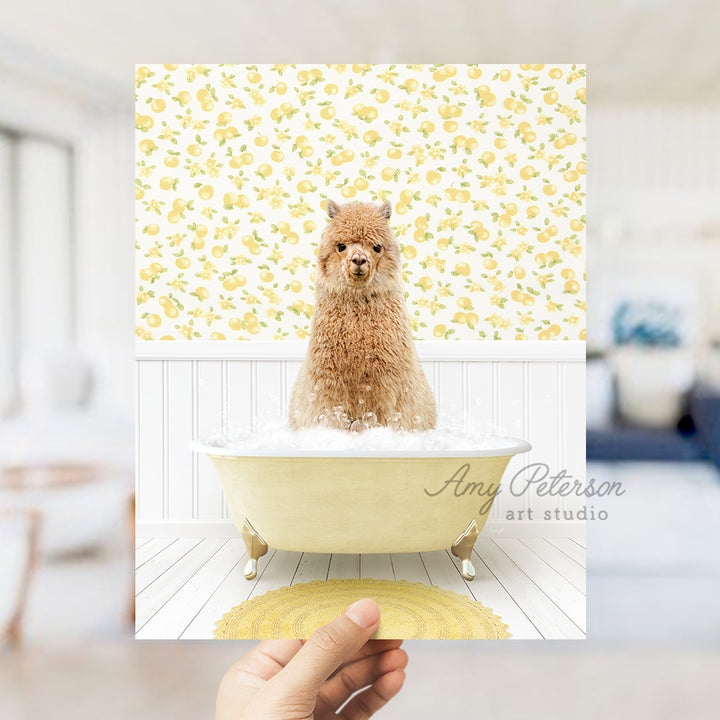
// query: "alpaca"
[[361, 355]]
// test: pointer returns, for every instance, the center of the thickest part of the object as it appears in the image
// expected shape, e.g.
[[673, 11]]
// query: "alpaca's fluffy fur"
[[361, 335]]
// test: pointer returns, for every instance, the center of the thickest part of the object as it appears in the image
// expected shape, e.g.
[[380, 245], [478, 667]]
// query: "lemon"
[[549, 189], [235, 323], [154, 320], [439, 330], [462, 269], [206, 192], [464, 303], [157, 105], [152, 229], [572, 286], [194, 150]]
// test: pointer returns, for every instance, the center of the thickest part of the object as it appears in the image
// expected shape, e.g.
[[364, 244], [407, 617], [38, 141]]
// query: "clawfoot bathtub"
[[360, 501]]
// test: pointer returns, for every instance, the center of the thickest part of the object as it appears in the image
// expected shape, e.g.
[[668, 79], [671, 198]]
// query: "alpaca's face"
[[358, 250]]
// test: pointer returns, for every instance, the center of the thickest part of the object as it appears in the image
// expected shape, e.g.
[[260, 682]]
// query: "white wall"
[[73, 275], [7, 321], [653, 210], [534, 391]]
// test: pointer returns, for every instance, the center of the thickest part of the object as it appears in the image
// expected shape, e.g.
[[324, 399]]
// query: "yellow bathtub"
[[360, 501]]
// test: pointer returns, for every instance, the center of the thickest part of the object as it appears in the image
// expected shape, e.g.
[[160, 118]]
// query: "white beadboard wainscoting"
[[532, 390]]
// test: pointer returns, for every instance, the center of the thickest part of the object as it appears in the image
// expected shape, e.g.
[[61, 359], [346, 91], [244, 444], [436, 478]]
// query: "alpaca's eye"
[[377, 248], [340, 247]]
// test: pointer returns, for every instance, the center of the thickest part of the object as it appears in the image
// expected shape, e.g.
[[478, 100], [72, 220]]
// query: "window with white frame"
[[37, 283]]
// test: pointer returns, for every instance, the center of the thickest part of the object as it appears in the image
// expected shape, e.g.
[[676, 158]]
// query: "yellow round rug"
[[409, 611]]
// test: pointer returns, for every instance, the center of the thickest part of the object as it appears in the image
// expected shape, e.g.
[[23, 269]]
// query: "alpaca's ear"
[[386, 210], [332, 208]]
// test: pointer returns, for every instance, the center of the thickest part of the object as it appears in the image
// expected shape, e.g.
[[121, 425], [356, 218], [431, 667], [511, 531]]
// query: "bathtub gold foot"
[[462, 548], [256, 548]]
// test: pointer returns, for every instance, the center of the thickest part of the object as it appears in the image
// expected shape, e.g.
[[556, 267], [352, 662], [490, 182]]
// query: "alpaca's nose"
[[358, 260]]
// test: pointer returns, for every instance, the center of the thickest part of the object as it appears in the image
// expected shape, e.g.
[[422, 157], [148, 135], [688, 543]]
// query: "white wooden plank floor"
[[536, 585]]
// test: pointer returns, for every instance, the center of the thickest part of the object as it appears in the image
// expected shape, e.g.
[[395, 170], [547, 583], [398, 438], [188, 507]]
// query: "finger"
[[355, 676], [374, 647], [266, 659], [369, 701], [328, 648]]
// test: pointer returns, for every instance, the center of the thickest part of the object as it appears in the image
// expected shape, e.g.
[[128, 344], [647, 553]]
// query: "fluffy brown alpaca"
[[361, 354]]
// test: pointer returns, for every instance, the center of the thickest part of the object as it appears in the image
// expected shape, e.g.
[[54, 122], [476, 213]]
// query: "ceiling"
[[637, 51]]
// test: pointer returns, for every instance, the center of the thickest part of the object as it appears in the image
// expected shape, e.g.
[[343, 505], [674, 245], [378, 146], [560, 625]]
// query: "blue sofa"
[[696, 437]]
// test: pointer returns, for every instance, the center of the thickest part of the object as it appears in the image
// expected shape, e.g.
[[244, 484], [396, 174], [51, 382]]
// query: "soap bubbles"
[[370, 419], [416, 421], [358, 426], [337, 431]]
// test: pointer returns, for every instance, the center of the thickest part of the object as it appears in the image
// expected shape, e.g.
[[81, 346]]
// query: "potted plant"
[[653, 364]]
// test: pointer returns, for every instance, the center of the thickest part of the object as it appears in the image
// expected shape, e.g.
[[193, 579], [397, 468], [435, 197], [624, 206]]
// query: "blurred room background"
[[66, 356]]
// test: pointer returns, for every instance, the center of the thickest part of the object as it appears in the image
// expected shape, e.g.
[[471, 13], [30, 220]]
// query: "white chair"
[[19, 543]]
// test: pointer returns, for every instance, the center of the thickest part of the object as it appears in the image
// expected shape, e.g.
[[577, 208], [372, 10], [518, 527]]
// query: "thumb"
[[328, 648]]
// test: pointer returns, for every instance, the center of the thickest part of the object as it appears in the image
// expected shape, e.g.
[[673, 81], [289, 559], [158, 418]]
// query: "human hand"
[[312, 679]]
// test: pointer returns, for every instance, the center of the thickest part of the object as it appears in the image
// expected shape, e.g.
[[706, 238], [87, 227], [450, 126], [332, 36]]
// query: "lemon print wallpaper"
[[484, 166]]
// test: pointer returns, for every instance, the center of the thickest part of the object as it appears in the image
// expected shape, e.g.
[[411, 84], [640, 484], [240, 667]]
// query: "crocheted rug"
[[408, 611]]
